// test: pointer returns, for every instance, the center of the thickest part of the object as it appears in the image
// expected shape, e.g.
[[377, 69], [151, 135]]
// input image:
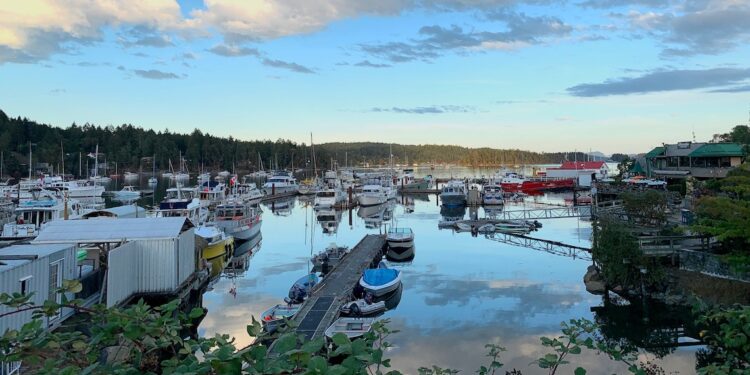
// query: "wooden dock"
[[322, 307]]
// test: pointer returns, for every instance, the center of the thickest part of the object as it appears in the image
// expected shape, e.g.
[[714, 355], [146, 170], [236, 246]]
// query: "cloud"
[[233, 50], [141, 36], [605, 4], [522, 31], [286, 65], [368, 64], [435, 109], [744, 88], [155, 74], [34, 30], [663, 80]]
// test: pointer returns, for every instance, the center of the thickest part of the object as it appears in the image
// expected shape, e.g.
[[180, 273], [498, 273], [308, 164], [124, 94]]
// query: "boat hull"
[[371, 200], [404, 243], [243, 229], [538, 185], [453, 200]]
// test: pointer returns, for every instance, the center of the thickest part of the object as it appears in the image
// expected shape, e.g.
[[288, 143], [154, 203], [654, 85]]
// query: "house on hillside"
[[698, 159]]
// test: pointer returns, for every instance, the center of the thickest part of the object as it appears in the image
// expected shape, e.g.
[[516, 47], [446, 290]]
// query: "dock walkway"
[[322, 307]]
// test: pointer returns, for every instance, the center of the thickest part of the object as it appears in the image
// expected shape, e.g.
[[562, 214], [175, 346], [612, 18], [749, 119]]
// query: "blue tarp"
[[380, 276]]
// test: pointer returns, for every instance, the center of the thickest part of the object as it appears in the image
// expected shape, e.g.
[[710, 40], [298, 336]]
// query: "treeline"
[[132, 148]]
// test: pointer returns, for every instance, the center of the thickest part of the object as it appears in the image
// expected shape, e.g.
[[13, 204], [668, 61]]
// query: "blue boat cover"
[[380, 276]]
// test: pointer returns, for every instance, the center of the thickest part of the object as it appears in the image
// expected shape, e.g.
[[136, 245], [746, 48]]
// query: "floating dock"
[[322, 307]]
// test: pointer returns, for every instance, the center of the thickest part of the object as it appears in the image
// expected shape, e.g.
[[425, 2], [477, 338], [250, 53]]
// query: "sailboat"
[[182, 174], [153, 180], [96, 178]]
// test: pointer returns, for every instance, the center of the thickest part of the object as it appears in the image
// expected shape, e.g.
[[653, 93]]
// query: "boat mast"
[[29, 160], [80, 174], [312, 147], [62, 158]]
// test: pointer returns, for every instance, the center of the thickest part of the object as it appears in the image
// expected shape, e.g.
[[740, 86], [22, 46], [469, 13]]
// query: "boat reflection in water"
[[249, 246], [281, 207], [451, 214], [329, 219], [400, 255], [372, 215]]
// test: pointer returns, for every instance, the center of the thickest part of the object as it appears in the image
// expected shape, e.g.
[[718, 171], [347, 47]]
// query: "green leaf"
[[341, 339], [317, 365], [580, 371], [286, 342]]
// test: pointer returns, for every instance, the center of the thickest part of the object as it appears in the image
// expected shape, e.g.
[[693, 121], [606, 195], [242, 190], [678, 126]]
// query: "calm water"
[[459, 292]]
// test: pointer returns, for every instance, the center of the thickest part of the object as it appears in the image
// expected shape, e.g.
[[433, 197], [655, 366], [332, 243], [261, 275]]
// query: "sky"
[[541, 75]]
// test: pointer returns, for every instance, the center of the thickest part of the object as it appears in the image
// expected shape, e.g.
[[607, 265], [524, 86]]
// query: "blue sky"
[[544, 75]]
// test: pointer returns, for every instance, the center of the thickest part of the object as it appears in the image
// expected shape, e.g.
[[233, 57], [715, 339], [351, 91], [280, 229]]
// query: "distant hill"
[[132, 147]]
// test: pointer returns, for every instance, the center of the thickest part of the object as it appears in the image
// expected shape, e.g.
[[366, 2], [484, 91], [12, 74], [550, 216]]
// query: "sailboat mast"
[[62, 158], [29, 160], [315, 166]]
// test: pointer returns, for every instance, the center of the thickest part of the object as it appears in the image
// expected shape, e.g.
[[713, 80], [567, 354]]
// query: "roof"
[[682, 148], [116, 230], [657, 151], [18, 255], [637, 168], [718, 149], [582, 165]]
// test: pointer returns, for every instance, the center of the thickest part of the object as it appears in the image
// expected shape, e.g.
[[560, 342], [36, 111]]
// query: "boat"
[[301, 288], [453, 193], [514, 226], [127, 192], [130, 175], [275, 315], [372, 195], [204, 177], [464, 227], [211, 193], [331, 256], [381, 280], [400, 254], [407, 182], [238, 220], [281, 183], [75, 189], [181, 202], [486, 228], [247, 192], [400, 238], [32, 214], [153, 181], [218, 243], [362, 307], [513, 182], [222, 174], [349, 326], [492, 194]]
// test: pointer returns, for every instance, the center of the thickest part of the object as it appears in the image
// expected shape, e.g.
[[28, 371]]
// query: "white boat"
[[351, 327], [281, 183], [272, 317], [204, 177], [362, 307], [167, 174], [248, 192], [400, 238], [486, 228], [32, 214], [238, 219], [330, 197], [181, 176], [211, 193], [181, 202], [380, 281], [372, 195], [153, 181], [492, 194], [223, 174], [127, 192], [130, 175], [77, 189], [512, 226], [453, 193], [464, 227], [330, 256]]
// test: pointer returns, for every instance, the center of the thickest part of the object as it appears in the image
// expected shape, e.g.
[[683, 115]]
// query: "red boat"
[[512, 182]]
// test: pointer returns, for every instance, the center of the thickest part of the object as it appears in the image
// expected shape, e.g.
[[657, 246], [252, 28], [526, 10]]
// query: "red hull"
[[539, 185]]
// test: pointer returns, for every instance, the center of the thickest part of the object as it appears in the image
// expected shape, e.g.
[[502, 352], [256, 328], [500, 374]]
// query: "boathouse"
[[131, 257], [583, 171], [36, 270], [697, 159]]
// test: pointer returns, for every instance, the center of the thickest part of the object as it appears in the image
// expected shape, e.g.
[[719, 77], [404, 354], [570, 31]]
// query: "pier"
[[322, 307]]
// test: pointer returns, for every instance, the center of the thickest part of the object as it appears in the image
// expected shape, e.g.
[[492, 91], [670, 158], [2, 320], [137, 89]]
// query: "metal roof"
[[658, 151], [116, 230], [18, 255], [682, 149], [718, 150]]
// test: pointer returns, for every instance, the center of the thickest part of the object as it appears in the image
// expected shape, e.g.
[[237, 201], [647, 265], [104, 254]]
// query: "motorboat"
[[127, 192], [515, 226], [75, 189], [513, 182], [167, 175], [274, 316], [248, 192], [349, 326], [400, 238], [400, 254], [211, 193], [301, 288], [453, 193], [330, 197], [372, 195], [238, 220], [181, 202], [362, 307], [218, 243], [407, 182], [32, 214], [381, 280], [331, 256], [152, 181], [464, 227], [492, 194], [223, 174], [281, 183], [130, 175], [486, 228]]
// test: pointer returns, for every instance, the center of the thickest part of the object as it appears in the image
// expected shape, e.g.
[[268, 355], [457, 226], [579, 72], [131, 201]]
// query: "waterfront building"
[[697, 159]]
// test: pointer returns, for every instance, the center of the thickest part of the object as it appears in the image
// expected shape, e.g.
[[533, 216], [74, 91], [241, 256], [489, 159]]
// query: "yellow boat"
[[219, 245]]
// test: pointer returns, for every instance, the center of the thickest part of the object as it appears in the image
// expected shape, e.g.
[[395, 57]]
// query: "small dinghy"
[[362, 307], [351, 327], [464, 227], [331, 256], [487, 228], [381, 280], [301, 288], [272, 317]]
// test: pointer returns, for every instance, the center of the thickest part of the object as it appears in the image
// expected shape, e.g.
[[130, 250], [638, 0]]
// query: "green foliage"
[[624, 166], [727, 335], [620, 259], [646, 207]]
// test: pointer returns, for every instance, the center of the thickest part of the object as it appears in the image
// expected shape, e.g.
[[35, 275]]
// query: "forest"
[[132, 148]]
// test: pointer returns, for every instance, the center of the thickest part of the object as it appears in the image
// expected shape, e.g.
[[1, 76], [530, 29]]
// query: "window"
[[25, 284], [55, 282]]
